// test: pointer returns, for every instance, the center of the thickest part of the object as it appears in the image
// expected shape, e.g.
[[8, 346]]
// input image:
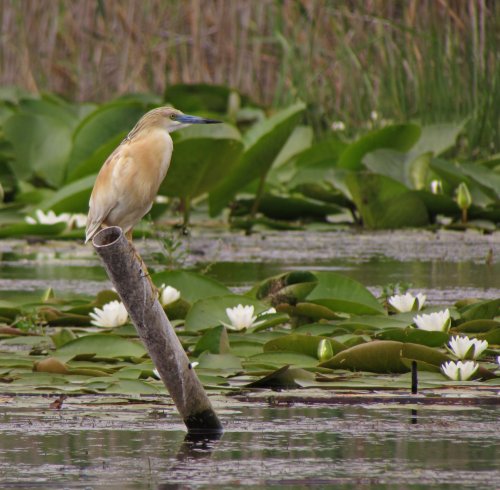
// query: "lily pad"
[[101, 346], [343, 294], [211, 312], [384, 356]]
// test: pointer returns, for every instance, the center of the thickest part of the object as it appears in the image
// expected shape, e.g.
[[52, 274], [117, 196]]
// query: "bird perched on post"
[[129, 180]]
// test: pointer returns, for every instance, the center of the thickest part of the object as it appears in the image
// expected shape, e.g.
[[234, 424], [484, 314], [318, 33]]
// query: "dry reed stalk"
[[344, 58]]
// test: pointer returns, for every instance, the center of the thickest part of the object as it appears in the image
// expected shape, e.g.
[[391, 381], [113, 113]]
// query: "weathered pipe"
[[125, 269]]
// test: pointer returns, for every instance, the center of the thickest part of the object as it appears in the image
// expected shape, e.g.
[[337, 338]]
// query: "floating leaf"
[[220, 362], [279, 359], [384, 356], [210, 312], [481, 310], [214, 341], [26, 230], [341, 293], [415, 335], [100, 345], [302, 344], [51, 365], [192, 286], [284, 378]]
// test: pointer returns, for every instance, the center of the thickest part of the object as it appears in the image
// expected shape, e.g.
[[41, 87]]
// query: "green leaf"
[[72, 198], [397, 137], [481, 310], [132, 387], [477, 326], [100, 345], [411, 171], [45, 152], [26, 230], [191, 285], [214, 341], [263, 142], [219, 362], [437, 138], [341, 293], [204, 155], [93, 163], [286, 207], [280, 359], [210, 312], [302, 344], [385, 203], [414, 335], [384, 356], [101, 126], [284, 378], [289, 287]]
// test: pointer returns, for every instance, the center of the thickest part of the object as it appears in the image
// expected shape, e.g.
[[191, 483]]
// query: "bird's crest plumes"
[[153, 118]]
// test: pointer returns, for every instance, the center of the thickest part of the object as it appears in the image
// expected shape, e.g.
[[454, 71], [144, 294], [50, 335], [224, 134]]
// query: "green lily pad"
[[214, 340], [302, 344], [415, 336], [343, 294], [101, 346], [384, 356], [191, 285], [210, 312]]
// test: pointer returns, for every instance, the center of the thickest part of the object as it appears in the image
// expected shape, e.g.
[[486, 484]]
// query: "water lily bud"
[[464, 199], [325, 350]]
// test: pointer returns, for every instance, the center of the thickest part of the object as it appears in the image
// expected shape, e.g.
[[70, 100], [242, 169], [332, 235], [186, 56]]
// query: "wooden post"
[[127, 273]]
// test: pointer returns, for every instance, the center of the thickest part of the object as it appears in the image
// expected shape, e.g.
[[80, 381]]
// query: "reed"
[[430, 60]]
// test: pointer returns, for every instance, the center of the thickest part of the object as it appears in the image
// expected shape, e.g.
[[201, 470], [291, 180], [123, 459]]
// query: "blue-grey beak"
[[186, 119]]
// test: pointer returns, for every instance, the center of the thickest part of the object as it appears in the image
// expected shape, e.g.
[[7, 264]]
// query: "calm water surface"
[[294, 447]]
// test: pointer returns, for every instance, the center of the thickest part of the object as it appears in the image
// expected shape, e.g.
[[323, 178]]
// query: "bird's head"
[[172, 119]]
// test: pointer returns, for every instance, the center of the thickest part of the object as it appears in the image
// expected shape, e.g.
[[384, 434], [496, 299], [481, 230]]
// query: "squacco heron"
[[129, 180]]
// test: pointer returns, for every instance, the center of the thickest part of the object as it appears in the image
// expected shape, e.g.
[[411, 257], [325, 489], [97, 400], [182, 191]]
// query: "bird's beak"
[[186, 119]]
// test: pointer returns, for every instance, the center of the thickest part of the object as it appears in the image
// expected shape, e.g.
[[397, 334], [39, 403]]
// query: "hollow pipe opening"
[[107, 236]]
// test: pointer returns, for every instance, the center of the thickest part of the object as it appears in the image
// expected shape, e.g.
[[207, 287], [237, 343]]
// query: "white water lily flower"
[[78, 220], [407, 302], [479, 347], [112, 314], [436, 322], [240, 316], [48, 218], [436, 187], [459, 371], [270, 311], [169, 295], [460, 346], [338, 126]]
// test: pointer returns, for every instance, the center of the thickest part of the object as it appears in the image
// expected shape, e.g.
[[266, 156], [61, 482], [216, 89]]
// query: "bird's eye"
[[172, 116]]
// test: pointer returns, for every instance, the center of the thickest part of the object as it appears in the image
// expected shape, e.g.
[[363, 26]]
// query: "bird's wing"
[[102, 199]]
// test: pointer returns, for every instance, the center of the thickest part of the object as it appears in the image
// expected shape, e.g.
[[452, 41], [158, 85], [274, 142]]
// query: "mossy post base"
[[126, 271]]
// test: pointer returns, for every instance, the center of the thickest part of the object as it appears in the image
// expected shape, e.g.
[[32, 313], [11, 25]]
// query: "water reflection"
[[262, 446]]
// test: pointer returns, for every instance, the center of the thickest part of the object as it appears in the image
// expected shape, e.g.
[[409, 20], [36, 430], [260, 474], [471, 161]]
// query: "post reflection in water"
[[261, 446]]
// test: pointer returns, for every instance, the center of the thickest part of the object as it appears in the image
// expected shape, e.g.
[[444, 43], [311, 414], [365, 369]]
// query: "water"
[[445, 265], [97, 445], [351, 447]]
